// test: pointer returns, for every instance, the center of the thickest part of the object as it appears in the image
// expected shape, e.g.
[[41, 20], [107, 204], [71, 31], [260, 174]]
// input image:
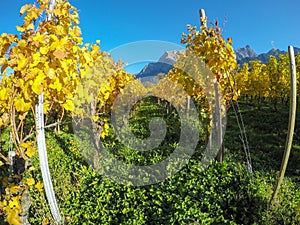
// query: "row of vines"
[[267, 81]]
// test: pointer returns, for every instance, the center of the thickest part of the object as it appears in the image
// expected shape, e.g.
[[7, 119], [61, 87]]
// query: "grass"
[[266, 130]]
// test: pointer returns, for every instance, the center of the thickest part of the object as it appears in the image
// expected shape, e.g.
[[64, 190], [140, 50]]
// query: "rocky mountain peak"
[[169, 57], [245, 52]]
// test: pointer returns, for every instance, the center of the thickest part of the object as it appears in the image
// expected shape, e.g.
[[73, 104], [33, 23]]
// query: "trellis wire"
[[243, 135]]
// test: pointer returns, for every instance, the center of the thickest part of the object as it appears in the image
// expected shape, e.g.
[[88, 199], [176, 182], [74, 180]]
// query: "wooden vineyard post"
[[292, 118], [216, 109], [41, 143], [202, 17]]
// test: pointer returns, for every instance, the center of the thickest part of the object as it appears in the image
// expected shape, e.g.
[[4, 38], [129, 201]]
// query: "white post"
[[51, 7], [41, 144], [291, 126]]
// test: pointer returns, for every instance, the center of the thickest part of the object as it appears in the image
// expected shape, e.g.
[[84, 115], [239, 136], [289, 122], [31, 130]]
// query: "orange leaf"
[[60, 54], [45, 221]]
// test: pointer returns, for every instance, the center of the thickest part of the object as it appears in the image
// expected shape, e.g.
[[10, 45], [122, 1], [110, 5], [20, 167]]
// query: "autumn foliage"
[[49, 57]]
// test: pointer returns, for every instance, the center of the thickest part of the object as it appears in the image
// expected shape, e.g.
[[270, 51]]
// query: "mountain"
[[167, 60], [163, 66], [247, 54], [154, 69], [169, 57]]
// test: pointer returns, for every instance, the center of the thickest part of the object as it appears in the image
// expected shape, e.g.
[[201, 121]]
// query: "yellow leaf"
[[55, 42], [104, 134], [58, 12], [22, 62], [28, 148], [21, 105], [2, 61], [4, 119], [39, 186], [25, 8], [13, 189], [39, 38], [21, 29], [106, 95], [13, 218], [4, 94], [12, 204], [36, 60], [77, 31], [106, 126], [69, 105], [30, 27], [32, 168], [47, 106], [56, 85], [25, 145], [22, 43], [37, 87], [235, 96], [30, 152], [74, 49], [44, 50], [87, 57], [50, 73], [1, 163], [30, 181], [3, 204], [33, 14]]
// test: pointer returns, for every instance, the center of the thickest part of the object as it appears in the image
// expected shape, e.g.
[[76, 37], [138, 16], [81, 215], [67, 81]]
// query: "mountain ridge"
[[168, 59], [247, 54]]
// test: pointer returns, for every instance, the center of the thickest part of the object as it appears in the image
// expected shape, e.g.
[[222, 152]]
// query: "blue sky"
[[261, 24]]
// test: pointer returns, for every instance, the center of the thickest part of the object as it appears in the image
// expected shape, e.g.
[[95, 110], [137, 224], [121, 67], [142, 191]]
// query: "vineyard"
[[84, 94]]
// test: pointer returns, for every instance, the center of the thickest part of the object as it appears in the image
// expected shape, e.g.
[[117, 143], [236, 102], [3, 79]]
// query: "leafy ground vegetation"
[[225, 193]]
